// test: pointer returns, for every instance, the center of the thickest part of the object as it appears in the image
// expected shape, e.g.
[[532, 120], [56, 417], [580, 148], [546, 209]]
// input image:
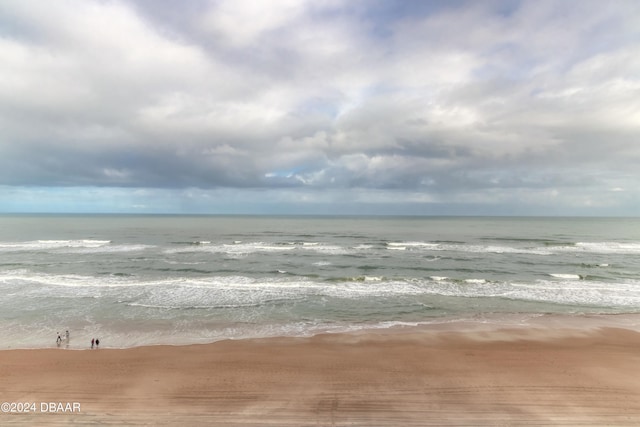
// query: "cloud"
[[436, 104]]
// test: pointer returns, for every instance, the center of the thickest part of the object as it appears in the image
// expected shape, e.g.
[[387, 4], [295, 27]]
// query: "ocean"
[[133, 280]]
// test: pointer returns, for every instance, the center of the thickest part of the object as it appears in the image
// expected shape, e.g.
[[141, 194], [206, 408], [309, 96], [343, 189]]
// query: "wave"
[[184, 270], [322, 263], [622, 248], [236, 248], [549, 248], [39, 245], [360, 279], [363, 247], [203, 288], [475, 281], [457, 247], [110, 249], [609, 247], [116, 274], [412, 244], [239, 248], [598, 265], [566, 276], [195, 242], [85, 246], [193, 307]]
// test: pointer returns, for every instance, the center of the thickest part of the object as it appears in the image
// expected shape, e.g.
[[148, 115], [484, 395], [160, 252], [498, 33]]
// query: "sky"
[[320, 107]]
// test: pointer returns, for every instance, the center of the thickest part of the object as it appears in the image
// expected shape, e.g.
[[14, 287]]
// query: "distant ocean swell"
[[240, 247]]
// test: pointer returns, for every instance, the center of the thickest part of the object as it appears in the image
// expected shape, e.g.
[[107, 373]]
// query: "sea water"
[[164, 279]]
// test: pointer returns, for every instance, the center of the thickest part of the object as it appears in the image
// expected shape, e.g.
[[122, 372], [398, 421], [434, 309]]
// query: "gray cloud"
[[497, 103]]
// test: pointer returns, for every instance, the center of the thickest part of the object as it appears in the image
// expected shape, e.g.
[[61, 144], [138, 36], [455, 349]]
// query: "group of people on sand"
[[95, 342]]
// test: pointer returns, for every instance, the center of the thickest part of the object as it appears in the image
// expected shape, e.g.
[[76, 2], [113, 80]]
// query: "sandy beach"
[[409, 376]]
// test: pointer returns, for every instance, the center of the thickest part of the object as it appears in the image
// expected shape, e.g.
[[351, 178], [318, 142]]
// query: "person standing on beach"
[[97, 343], [92, 342], [59, 339]]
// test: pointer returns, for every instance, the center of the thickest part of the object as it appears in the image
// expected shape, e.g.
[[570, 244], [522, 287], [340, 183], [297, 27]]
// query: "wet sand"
[[400, 377]]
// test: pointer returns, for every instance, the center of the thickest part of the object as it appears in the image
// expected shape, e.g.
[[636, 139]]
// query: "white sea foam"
[[594, 247], [456, 247], [215, 291], [580, 293], [109, 249], [413, 244], [327, 249], [565, 276], [602, 247], [363, 247], [418, 245], [39, 245], [239, 248], [39, 279]]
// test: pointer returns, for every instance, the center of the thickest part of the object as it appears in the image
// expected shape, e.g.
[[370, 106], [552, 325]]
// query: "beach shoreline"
[[562, 370], [478, 323]]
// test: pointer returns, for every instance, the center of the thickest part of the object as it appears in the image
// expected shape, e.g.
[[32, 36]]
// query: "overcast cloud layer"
[[290, 106]]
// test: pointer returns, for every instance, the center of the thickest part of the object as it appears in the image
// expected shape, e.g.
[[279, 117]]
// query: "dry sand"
[[404, 377]]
